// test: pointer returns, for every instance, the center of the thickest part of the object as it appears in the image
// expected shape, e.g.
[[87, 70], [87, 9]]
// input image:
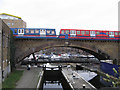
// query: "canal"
[[54, 80]]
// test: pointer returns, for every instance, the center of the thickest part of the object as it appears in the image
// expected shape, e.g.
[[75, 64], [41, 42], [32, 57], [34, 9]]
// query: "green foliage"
[[109, 79], [10, 82], [115, 70]]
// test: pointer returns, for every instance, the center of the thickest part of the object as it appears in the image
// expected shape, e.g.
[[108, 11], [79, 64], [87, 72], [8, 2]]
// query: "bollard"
[[83, 85]]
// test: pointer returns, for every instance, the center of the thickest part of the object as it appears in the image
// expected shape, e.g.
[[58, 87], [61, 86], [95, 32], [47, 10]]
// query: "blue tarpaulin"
[[108, 68]]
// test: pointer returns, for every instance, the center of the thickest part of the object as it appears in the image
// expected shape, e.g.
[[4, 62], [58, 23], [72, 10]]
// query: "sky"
[[67, 14]]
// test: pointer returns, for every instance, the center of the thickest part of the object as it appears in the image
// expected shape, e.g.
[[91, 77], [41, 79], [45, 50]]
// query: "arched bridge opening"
[[97, 55]]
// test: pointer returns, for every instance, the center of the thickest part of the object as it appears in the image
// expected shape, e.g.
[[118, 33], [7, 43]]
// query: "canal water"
[[54, 80]]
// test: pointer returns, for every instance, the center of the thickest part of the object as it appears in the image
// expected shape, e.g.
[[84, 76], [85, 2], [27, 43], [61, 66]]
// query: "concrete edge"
[[67, 80], [39, 82], [85, 80]]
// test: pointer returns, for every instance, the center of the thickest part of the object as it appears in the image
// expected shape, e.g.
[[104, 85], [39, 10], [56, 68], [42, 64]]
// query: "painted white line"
[[68, 80], [40, 77]]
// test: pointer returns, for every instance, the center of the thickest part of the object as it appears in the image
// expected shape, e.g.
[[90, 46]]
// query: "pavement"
[[30, 78]]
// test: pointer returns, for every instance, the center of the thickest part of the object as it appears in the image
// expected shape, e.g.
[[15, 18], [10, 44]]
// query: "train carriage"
[[34, 33], [66, 34], [89, 34]]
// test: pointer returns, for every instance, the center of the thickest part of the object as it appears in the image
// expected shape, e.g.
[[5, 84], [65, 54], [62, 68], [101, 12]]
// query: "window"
[[31, 31], [87, 32], [19, 31], [26, 31], [48, 31], [42, 31], [15, 30], [116, 33], [78, 32], [62, 32], [22, 30], [111, 33], [82, 32], [72, 32], [7, 42], [119, 33], [36, 31], [4, 40], [67, 31], [106, 33], [53, 32], [97, 33], [93, 32]]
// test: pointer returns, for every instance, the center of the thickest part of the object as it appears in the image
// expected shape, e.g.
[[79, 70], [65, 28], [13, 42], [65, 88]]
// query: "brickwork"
[[15, 23], [5, 49], [101, 49]]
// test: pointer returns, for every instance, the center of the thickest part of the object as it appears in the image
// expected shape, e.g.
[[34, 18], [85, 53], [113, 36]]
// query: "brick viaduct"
[[101, 49]]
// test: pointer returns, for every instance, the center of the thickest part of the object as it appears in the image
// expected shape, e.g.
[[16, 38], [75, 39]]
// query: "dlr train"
[[66, 34]]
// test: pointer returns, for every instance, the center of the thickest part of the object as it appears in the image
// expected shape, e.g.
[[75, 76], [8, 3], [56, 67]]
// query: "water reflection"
[[52, 85]]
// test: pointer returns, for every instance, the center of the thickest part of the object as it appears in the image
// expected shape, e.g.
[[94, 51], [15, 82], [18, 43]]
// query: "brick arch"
[[30, 47]]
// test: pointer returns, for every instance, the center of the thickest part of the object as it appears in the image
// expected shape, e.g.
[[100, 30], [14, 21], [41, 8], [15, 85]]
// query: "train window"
[[26, 31], [72, 32], [67, 31], [44, 31], [22, 30], [106, 33], [93, 32], [119, 33], [15, 30], [19, 31], [87, 32], [111, 33], [53, 32], [97, 33], [36, 31], [31, 31], [78, 32], [62, 32], [41, 30], [48, 31], [82, 32], [116, 33]]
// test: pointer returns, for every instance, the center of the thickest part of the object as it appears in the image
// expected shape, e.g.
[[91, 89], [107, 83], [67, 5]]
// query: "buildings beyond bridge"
[[13, 21]]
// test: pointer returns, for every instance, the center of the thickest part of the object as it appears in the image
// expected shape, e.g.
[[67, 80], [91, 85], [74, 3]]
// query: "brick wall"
[[5, 49]]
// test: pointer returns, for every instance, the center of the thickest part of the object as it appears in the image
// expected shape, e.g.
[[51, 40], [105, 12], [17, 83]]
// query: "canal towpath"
[[29, 78], [76, 80]]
